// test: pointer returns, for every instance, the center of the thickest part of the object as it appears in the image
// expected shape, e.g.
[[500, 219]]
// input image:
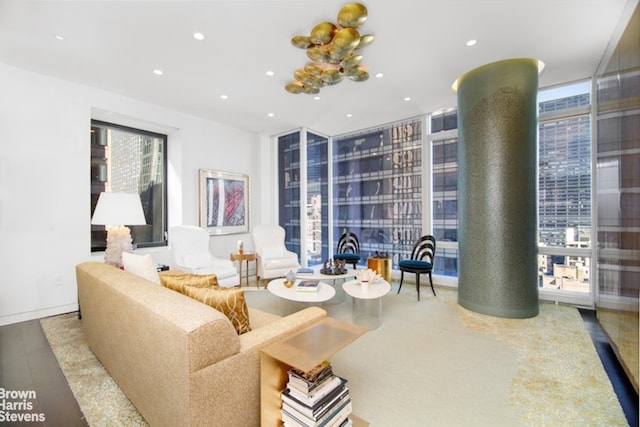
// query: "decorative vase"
[[289, 279], [291, 276], [240, 247]]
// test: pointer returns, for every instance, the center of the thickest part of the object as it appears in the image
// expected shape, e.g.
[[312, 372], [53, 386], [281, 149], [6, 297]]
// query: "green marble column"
[[497, 181]]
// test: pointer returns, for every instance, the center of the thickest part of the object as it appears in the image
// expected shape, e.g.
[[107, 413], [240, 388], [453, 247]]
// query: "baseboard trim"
[[38, 314]]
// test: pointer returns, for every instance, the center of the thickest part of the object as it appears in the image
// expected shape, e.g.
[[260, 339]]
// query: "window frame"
[[164, 204]]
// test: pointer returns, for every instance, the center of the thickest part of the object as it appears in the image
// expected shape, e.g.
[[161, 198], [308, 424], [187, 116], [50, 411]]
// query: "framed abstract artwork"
[[224, 202]]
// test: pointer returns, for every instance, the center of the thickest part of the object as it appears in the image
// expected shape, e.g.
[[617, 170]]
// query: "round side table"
[[366, 309], [382, 266]]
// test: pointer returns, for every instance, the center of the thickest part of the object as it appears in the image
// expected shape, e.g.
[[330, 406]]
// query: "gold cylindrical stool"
[[382, 266]]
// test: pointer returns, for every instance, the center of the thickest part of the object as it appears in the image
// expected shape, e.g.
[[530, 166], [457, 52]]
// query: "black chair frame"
[[425, 247], [349, 243]]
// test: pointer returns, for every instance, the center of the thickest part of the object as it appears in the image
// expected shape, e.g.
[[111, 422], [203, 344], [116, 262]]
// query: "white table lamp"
[[115, 210]]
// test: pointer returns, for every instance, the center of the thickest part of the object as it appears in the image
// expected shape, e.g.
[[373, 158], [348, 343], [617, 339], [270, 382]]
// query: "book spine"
[[317, 411], [317, 394], [310, 387], [292, 416], [339, 416], [311, 410], [311, 380]]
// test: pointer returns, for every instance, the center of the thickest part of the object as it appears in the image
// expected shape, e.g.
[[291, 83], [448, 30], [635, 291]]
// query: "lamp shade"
[[118, 209]]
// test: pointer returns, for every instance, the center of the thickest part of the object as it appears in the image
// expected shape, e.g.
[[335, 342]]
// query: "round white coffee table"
[[324, 293], [366, 309], [316, 275]]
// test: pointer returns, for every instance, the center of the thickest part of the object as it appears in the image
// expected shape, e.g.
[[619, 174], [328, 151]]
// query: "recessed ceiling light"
[[270, 114], [472, 43], [317, 98], [158, 72], [198, 36], [407, 98], [270, 73], [224, 97], [379, 75], [349, 115], [59, 37]]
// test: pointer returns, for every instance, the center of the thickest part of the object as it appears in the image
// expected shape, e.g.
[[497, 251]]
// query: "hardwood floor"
[[28, 364]]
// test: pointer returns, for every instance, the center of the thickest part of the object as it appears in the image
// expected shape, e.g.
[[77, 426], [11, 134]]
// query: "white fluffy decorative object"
[[367, 275]]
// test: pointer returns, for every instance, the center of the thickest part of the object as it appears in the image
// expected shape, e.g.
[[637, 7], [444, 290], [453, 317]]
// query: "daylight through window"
[[130, 160]]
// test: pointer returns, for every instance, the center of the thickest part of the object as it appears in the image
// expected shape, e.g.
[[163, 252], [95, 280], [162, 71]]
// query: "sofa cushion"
[[177, 281], [229, 301], [415, 264], [347, 256], [140, 265]]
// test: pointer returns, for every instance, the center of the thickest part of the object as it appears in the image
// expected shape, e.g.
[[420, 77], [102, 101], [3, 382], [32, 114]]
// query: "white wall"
[[45, 182]]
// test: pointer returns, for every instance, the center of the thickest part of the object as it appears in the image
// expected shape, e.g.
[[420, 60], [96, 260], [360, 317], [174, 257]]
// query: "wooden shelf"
[[304, 351]]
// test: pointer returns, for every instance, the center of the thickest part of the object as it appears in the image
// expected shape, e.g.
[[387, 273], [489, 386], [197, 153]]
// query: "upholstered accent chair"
[[348, 249], [274, 259], [421, 262], [191, 253]]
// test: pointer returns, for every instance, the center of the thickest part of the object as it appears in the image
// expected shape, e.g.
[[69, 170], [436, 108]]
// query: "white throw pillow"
[[141, 265]]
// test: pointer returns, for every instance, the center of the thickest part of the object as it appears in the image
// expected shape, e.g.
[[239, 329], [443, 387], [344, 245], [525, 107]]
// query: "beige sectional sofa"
[[180, 362]]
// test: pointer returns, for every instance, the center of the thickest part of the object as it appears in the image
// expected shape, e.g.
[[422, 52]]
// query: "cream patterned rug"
[[431, 363], [100, 399]]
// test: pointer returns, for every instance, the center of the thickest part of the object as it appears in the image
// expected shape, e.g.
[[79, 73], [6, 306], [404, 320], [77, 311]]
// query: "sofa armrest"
[[280, 328], [235, 381]]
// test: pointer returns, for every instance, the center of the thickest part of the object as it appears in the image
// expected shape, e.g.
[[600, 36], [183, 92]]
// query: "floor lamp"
[[115, 210]]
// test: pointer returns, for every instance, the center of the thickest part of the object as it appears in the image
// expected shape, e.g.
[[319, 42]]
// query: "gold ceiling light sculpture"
[[334, 51]]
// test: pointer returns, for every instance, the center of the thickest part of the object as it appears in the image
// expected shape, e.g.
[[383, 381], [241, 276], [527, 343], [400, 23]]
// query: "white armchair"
[[191, 253], [274, 259]]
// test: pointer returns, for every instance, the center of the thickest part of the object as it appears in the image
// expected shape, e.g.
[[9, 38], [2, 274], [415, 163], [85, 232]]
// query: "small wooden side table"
[[246, 256], [304, 351]]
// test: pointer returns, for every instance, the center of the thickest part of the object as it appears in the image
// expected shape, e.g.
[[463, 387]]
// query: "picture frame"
[[224, 202]]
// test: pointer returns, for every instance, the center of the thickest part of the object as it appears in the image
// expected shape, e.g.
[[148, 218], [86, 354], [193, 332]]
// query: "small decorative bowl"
[[288, 283]]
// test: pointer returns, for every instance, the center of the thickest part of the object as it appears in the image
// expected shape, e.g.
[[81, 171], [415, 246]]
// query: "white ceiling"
[[419, 46]]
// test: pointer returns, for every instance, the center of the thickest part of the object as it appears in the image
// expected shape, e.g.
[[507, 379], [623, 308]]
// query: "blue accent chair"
[[348, 249], [421, 262]]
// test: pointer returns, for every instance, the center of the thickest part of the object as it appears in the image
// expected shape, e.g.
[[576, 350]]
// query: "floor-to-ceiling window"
[[317, 197], [378, 191], [564, 188], [443, 135], [289, 174], [304, 180], [377, 188]]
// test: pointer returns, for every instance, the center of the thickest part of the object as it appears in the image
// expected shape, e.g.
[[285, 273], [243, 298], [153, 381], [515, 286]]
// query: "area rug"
[[101, 400], [430, 363]]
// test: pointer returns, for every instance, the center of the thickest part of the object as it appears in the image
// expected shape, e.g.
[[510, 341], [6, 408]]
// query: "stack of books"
[[305, 271], [307, 286], [316, 399]]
